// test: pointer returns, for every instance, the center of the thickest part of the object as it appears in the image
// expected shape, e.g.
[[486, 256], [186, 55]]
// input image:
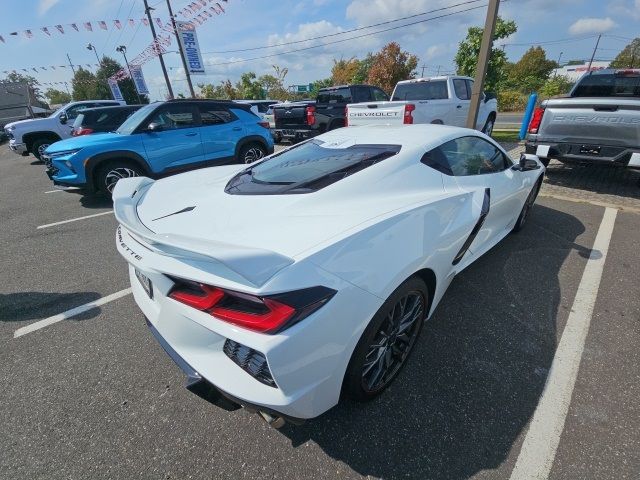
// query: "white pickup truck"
[[34, 136], [442, 100]]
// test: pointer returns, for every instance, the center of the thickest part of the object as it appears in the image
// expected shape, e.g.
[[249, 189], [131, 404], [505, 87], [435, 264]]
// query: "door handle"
[[459, 106], [236, 129], [191, 134]]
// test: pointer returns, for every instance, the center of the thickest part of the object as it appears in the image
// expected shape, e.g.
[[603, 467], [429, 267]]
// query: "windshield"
[[131, 123], [338, 95], [433, 90], [57, 111], [619, 84], [307, 168]]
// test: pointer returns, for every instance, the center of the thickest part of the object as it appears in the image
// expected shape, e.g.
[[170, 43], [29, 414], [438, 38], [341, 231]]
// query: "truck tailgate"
[[602, 121], [290, 116], [375, 113]]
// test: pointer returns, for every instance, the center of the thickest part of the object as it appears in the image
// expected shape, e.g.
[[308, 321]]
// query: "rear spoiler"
[[255, 265]]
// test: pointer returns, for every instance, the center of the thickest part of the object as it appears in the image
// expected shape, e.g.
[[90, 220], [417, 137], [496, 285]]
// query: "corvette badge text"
[[125, 247]]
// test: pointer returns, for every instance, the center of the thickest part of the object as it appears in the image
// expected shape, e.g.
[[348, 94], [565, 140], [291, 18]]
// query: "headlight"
[[65, 153]]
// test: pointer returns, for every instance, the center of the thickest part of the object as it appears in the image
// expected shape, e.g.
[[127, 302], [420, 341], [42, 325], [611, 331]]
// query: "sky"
[[569, 27]]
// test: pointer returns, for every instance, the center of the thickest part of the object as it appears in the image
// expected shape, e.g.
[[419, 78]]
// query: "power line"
[[345, 39], [468, 2], [111, 30], [549, 42], [133, 4]]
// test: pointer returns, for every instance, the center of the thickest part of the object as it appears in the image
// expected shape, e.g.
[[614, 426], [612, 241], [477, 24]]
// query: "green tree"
[[629, 57], [108, 67], [249, 87], [274, 84], [84, 85], [223, 91], [28, 79], [530, 72], [469, 49], [390, 65], [556, 85], [318, 84], [364, 67], [57, 97], [344, 71]]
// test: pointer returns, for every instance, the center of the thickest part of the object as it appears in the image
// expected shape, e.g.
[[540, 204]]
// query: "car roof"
[[110, 108]]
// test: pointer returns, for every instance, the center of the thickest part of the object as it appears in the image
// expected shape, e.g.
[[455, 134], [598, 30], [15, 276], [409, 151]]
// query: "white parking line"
[[54, 191], [69, 313], [541, 442], [74, 219]]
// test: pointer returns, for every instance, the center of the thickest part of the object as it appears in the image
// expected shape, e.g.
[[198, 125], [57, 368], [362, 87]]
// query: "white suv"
[[35, 135]]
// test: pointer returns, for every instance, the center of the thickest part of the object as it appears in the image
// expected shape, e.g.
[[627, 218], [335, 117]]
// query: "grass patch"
[[505, 136]]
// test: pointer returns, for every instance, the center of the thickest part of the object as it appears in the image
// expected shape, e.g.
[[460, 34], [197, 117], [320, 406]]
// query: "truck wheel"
[[108, 174], [251, 152], [488, 126], [39, 145]]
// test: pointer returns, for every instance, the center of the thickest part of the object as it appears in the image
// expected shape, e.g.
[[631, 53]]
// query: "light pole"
[[123, 50], [558, 67], [147, 10], [92, 47]]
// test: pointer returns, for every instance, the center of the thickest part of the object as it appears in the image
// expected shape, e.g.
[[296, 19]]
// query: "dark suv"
[[101, 119], [300, 120]]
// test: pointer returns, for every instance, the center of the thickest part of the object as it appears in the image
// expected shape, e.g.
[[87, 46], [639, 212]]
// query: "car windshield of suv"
[[308, 167], [432, 90], [338, 95], [131, 123], [619, 84]]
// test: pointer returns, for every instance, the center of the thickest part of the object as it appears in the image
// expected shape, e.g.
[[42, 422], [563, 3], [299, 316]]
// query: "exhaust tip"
[[275, 422]]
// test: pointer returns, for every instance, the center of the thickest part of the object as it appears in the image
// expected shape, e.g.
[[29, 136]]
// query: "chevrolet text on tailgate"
[[440, 100], [598, 122]]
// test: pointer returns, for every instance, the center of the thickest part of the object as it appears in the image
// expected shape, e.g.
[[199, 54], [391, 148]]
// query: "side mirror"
[[527, 162], [63, 118], [154, 127]]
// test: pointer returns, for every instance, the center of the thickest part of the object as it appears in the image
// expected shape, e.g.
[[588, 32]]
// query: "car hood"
[[82, 141], [195, 205], [30, 122]]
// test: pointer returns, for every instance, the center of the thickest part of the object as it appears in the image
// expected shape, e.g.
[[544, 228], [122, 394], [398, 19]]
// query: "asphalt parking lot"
[[95, 396]]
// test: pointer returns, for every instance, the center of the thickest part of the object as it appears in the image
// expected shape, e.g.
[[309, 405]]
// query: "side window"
[[263, 107], [466, 156], [379, 95], [215, 115], [72, 112], [175, 116], [460, 86]]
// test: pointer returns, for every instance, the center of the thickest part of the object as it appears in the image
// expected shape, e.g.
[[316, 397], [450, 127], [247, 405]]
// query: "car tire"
[[383, 348], [488, 126], [524, 213], [40, 144], [108, 174], [251, 152], [544, 161]]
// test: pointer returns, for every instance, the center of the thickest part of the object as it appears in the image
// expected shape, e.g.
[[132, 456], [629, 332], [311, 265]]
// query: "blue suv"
[[160, 139]]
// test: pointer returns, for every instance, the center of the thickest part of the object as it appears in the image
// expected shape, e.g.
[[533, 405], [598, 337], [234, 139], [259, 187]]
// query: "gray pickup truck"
[[598, 121]]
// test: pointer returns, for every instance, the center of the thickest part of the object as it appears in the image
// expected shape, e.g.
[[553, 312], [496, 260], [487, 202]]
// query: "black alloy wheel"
[[387, 342]]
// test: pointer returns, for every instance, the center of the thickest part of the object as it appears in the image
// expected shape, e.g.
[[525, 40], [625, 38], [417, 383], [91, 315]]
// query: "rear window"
[[78, 121], [338, 95], [307, 168], [434, 90], [609, 85]]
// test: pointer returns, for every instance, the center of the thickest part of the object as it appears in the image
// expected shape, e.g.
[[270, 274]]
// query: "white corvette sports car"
[[281, 284]]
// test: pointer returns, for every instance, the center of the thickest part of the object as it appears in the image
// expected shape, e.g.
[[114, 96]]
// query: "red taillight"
[[311, 115], [261, 314], [81, 131], [408, 117], [346, 116], [536, 120], [264, 125]]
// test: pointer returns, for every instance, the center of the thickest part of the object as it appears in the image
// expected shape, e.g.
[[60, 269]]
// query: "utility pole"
[[483, 61], [71, 65], [594, 53], [184, 60], [148, 9], [123, 50], [423, 67]]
